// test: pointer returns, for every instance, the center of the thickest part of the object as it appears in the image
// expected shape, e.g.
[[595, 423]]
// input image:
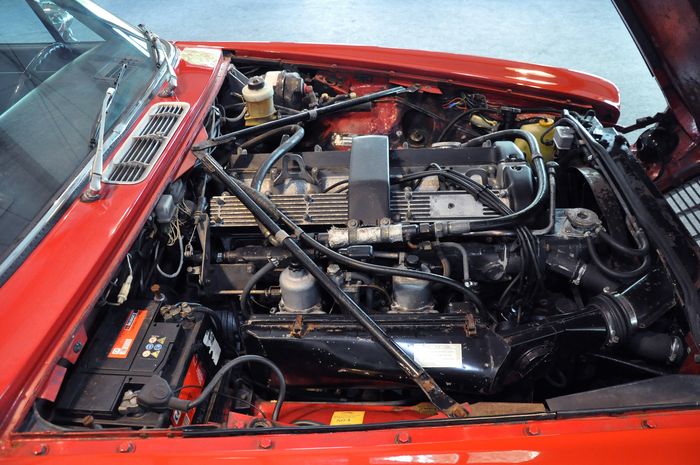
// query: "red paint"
[[194, 381], [47, 299], [544, 85], [322, 413], [599, 440]]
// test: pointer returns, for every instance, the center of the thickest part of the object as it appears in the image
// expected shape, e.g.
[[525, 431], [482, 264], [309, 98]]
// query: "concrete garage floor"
[[587, 35]]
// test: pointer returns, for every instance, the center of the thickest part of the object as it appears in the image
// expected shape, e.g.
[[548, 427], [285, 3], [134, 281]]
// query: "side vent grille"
[[139, 153], [685, 201]]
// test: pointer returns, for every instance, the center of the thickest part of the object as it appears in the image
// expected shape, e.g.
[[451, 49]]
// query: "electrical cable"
[[181, 262], [245, 294], [228, 366], [413, 370]]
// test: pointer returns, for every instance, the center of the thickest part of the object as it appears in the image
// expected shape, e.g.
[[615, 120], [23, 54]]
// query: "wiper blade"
[[97, 140]]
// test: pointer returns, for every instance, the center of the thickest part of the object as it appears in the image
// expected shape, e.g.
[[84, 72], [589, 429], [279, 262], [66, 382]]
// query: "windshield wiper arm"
[[97, 141], [157, 49]]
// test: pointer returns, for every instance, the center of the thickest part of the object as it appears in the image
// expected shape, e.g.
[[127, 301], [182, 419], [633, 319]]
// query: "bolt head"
[[265, 443], [532, 430], [648, 424], [126, 447]]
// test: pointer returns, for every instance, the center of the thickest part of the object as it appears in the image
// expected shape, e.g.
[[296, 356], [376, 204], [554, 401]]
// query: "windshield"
[[57, 59]]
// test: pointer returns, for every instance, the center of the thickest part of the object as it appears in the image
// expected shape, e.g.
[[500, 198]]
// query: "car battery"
[[128, 347]]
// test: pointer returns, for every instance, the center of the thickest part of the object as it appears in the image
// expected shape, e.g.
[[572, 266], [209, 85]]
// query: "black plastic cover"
[[664, 390], [368, 189]]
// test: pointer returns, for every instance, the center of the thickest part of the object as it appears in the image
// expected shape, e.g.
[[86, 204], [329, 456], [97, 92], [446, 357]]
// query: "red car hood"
[[667, 33]]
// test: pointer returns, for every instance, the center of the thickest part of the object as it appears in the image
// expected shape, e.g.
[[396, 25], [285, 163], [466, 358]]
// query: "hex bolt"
[[77, 347], [265, 443], [40, 449], [532, 430], [126, 447], [402, 438]]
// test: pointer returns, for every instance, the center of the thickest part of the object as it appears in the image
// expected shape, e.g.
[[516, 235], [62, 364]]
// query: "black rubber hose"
[[253, 141], [218, 325], [305, 115], [641, 251], [540, 171], [364, 279], [278, 153], [656, 236], [616, 274], [266, 205], [245, 294], [372, 268], [412, 369], [454, 120], [236, 118], [216, 379]]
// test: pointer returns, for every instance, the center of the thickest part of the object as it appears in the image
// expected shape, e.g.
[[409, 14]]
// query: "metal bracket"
[[286, 173]]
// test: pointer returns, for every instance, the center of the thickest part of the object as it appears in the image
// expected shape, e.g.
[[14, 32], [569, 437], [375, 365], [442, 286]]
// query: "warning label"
[[127, 335], [437, 355], [347, 418]]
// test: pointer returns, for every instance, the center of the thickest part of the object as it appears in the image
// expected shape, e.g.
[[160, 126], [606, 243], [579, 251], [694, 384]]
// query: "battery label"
[[127, 335]]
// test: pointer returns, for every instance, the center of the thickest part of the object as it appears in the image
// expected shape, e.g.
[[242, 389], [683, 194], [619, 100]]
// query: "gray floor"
[[585, 35]]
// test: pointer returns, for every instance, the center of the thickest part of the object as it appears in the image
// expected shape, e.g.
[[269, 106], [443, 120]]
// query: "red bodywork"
[[667, 33], [47, 299]]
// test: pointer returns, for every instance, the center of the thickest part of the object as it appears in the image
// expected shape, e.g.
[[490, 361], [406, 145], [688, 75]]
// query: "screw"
[[265, 443], [126, 447], [41, 449], [77, 347], [403, 438], [532, 430]]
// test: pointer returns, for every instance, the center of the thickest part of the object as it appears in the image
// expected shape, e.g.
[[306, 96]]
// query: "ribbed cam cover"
[[332, 208], [136, 157]]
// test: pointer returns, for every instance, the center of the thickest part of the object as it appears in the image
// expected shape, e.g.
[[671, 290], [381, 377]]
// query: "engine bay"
[[349, 249]]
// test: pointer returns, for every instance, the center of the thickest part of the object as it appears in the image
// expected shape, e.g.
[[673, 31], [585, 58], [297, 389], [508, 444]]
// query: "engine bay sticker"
[[127, 334], [347, 418], [437, 355], [153, 346], [205, 57]]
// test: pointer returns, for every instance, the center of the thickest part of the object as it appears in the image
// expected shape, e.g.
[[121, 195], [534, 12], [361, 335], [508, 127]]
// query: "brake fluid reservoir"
[[258, 95], [537, 129]]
